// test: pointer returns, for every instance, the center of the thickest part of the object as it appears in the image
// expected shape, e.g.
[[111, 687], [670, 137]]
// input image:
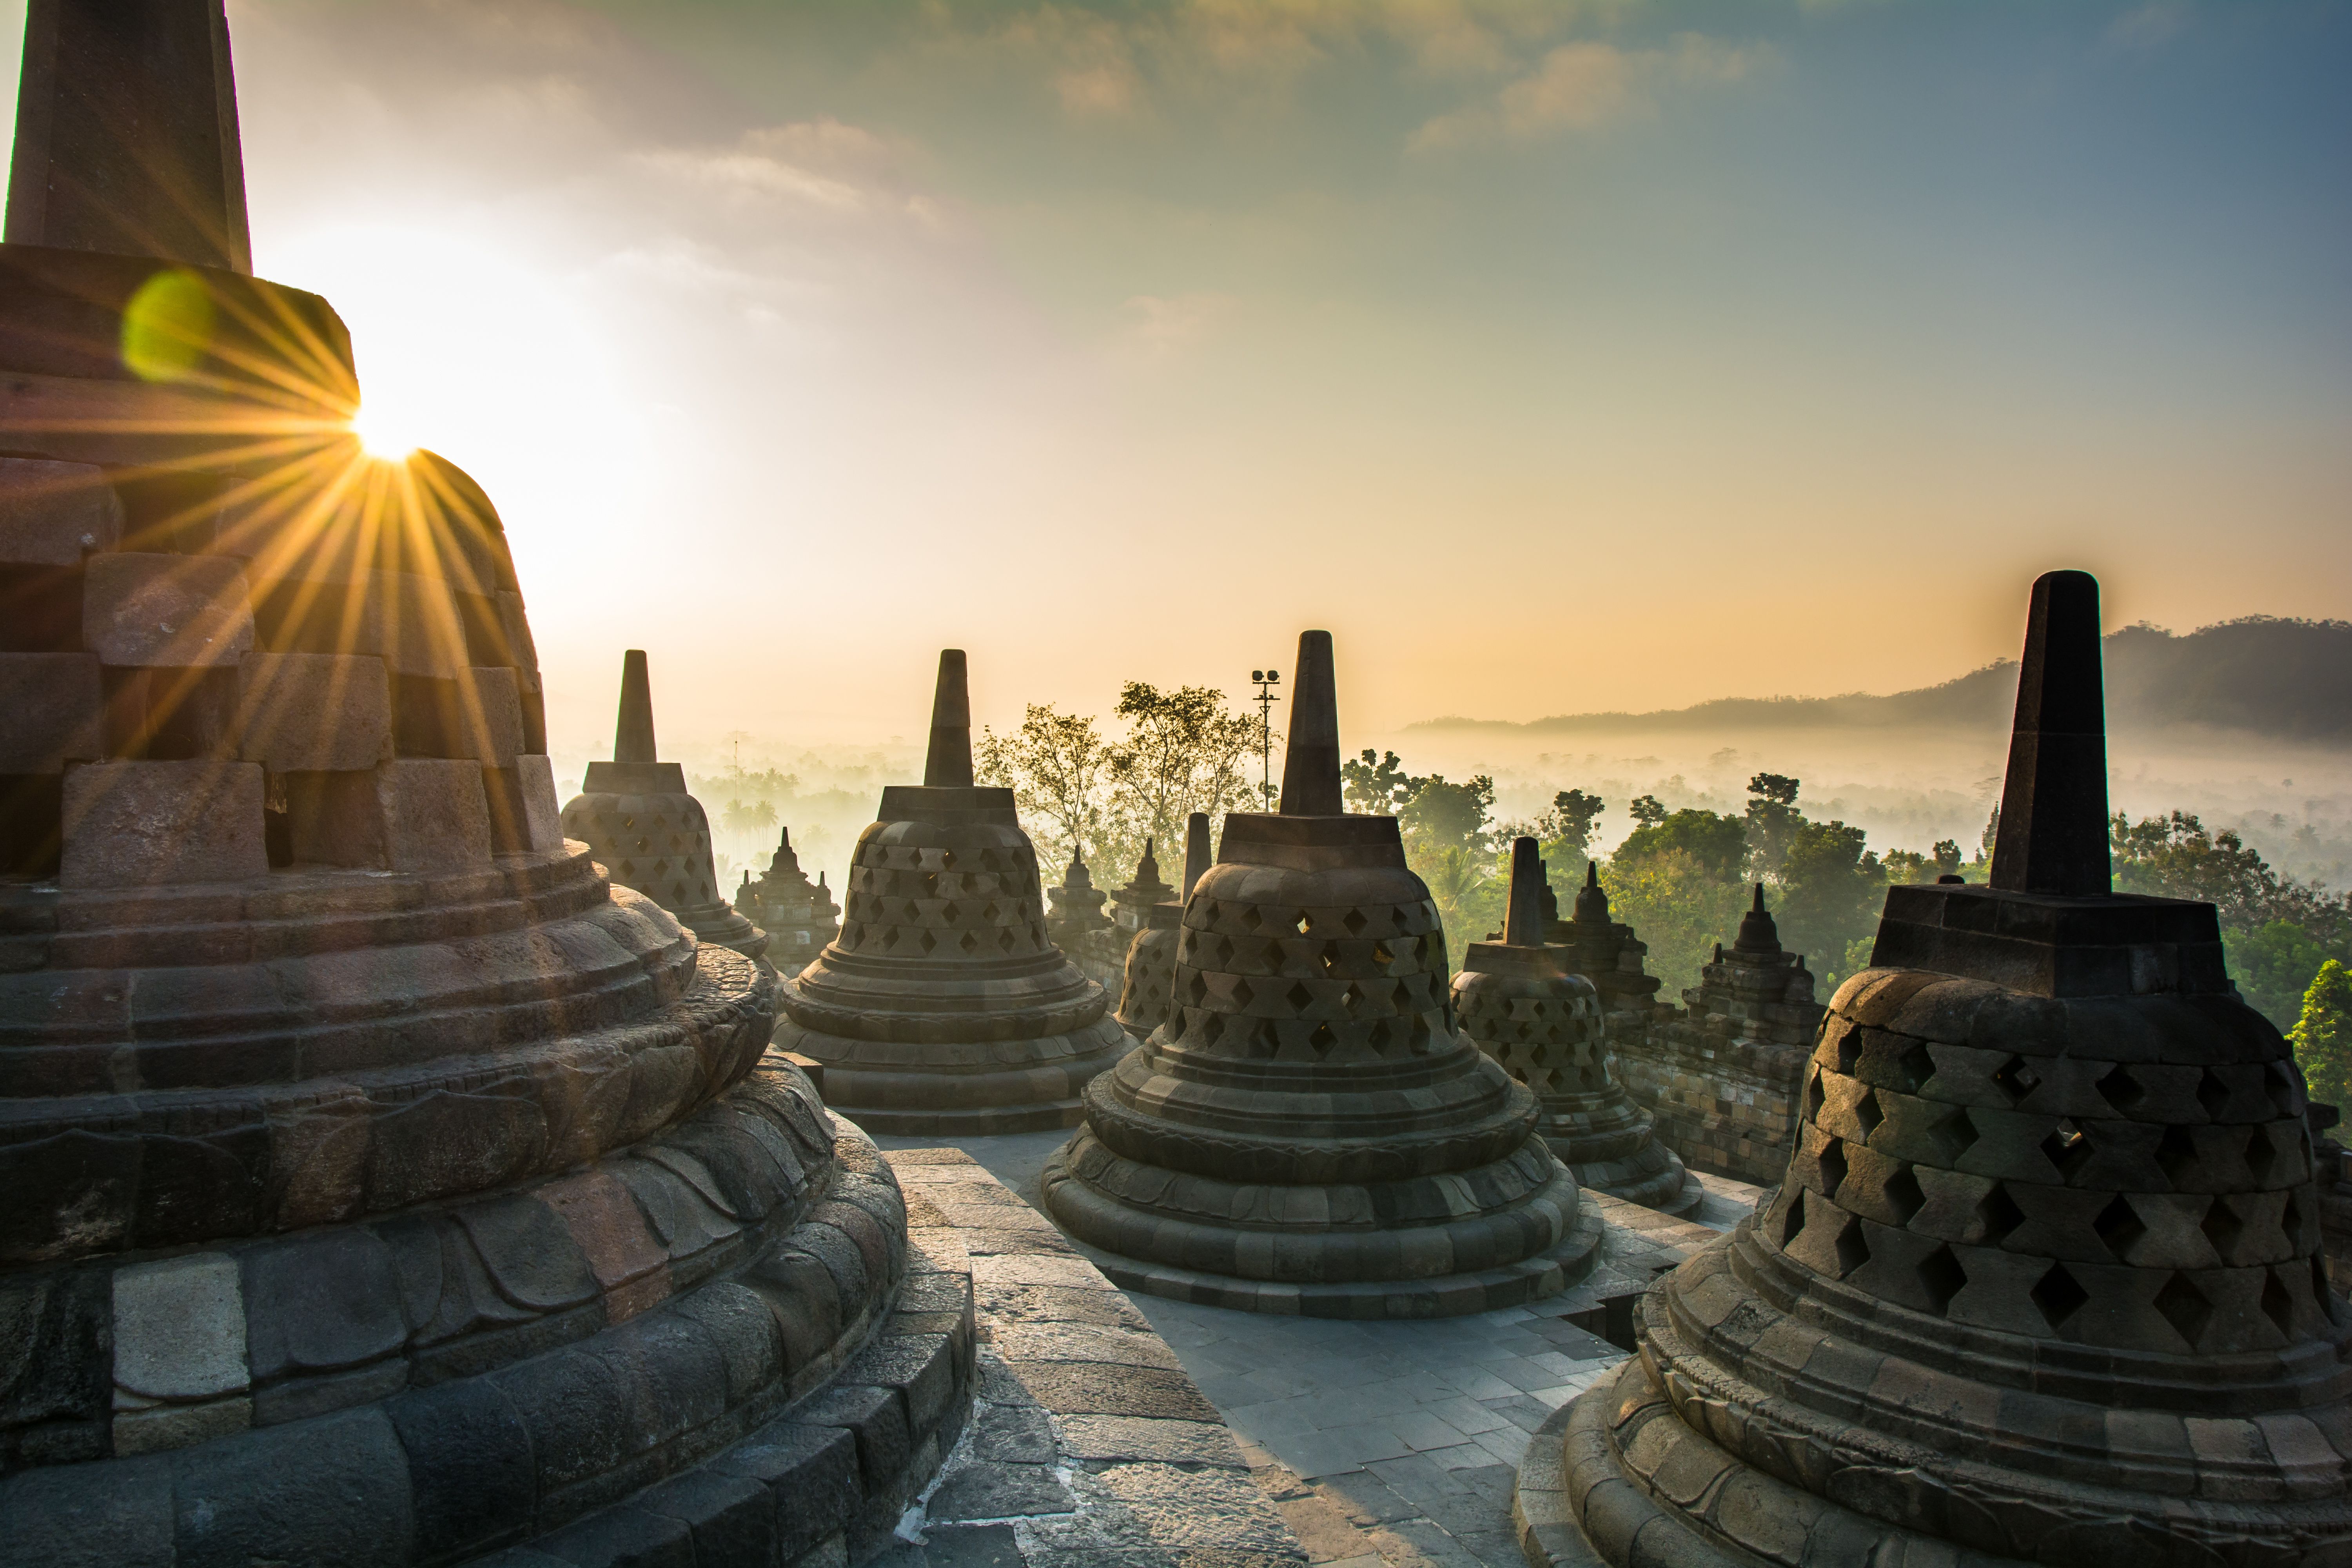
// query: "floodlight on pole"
[[1266, 681]]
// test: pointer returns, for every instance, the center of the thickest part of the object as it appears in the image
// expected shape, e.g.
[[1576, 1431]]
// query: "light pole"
[[1266, 680]]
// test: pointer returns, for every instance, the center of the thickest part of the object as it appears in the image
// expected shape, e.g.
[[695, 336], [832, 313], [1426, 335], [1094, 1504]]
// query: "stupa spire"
[[633, 735], [1591, 903], [2053, 802], [1196, 851], [1523, 919], [948, 764], [126, 133], [1758, 931], [1310, 762]]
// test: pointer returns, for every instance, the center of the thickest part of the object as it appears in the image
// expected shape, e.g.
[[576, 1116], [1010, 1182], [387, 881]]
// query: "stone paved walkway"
[[1392, 1444]]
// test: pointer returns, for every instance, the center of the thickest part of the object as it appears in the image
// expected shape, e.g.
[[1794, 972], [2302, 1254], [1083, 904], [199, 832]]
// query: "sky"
[[1555, 357]]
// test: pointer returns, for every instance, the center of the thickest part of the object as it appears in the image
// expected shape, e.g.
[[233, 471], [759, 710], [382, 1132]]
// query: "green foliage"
[[1468, 890], [1910, 866], [1056, 764], [1563, 834], [2273, 964], [1772, 822], [2322, 1035], [1646, 810], [1716, 845], [1443, 815], [1678, 904], [1375, 785], [1832, 888]]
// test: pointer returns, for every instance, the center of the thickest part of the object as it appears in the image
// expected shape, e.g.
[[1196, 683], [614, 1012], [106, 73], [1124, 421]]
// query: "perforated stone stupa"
[[1606, 952], [382, 1186], [1308, 1132], [635, 816], [799, 916], [1723, 1076], [943, 1006], [1148, 978], [2044, 1281], [1518, 1004]]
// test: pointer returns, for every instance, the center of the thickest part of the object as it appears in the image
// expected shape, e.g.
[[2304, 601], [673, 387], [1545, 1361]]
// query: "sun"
[[383, 432]]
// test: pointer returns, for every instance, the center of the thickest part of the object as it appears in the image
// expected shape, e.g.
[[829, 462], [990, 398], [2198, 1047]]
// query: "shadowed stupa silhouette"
[[1306, 1133], [2043, 1283]]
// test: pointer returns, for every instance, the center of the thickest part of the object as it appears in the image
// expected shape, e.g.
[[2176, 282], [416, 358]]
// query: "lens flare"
[[383, 433]]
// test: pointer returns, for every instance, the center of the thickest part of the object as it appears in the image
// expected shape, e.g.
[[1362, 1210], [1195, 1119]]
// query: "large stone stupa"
[[1308, 1132], [379, 1186], [635, 816], [943, 1006], [1517, 1002], [2044, 1283]]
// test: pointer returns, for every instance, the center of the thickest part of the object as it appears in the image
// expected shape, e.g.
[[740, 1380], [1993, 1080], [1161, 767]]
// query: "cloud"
[[1582, 84], [1163, 327]]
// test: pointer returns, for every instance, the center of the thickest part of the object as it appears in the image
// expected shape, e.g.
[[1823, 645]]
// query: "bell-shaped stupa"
[[1308, 1132], [943, 1006], [2044, 1283], [378, 1183], [1606, 952], [799, 916], [1076, 903], [1517, 1003], [638, 821], [1148, 980]]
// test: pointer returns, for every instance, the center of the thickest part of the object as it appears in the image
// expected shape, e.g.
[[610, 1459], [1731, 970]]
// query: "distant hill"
[[2283, 679]]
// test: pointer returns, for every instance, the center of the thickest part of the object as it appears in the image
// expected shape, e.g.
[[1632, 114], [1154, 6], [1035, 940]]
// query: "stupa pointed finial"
[[633, 736], [1310, 764], [1591, 903], [1523, 921], [2053, 801], [1756, 906], [1593, 873], [948, 764], [1196, 850], [1757, 932], [126, 133]]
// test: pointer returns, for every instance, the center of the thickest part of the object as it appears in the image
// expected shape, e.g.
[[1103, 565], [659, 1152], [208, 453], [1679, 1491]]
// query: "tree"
[[1646, 810], [1773, 820], [1832, 888], [1469, 896], [1910, 866], [1447, 815], [1056, 765], [1677, 904], [1563, 834], [1183, 753], [2273, 966], [1716, 845], [1376, 785], [2322, 1036]]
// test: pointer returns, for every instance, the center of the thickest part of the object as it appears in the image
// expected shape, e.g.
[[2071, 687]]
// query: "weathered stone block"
[[475, 714], [179, 1352], [179, 610], [423, 634], [314, 712], [52, 514], [133, 824], [408, 815], [55, 711], [524, 816]]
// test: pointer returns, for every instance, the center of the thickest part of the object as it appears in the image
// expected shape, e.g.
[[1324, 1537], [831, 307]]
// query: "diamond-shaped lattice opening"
[[2278, 1303], [1866, 1111], [1350, 999], [1272, 958], [1212, 1029], [1005, 942], [989, 913], [2068, 1147], [1298, 995], [1304, 923], [1914, 1069], [1421, 1033], [1382, 955], [2291, 1221], [2262, 1155], [1853, 1247], [1814, 1097], [1904, 1196], [1328, 959], [1322, 1040], [1196, 990], [2016, 1080], [1849, 1051], [968, 943], [950, 910], [2222, 1226], [2119, 1225], [1355, 921], [1832, 1168], [2279, 1082], [2058, 1296], [1999, 1215], [1242, 994], [628, 822], [2185, 1308], [1381, 1035], [1941, 1277], [2212, 1094], [927, 941], [2175, 1155], [2120, 1089], [1251, 919], [1793, 1221], [1954, 1135]]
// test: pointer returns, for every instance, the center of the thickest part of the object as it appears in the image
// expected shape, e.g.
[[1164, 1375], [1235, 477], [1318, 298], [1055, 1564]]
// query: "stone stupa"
[[799, 916], [635, 816], [943, 1006], [1606, 952], [1148, 978], [1723, 1076], [1308, 1132], [384, 1188], [1517, 1002], [2043, 1282]]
